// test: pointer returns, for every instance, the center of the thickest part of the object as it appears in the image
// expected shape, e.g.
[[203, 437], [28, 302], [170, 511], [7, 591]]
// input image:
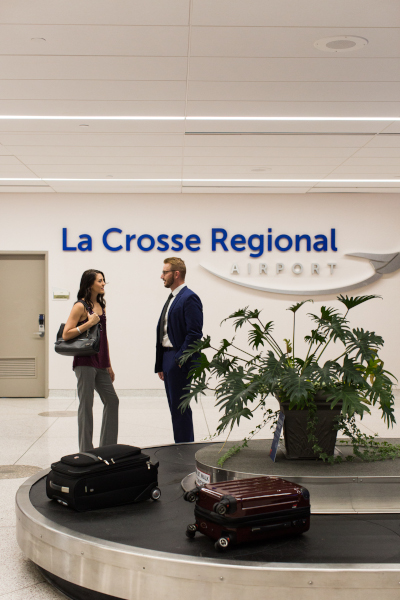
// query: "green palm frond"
[[356, 301], [242, 316], [350, 398], [364, 343], [296, 307], [195, 348]]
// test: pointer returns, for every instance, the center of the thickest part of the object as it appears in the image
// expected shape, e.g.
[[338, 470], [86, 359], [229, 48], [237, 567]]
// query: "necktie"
[[162, 318]]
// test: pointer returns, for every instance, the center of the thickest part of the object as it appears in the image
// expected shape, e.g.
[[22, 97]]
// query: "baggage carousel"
[[141, 552]]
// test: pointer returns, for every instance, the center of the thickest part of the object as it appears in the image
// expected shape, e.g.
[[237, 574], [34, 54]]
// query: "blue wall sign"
[[115, 240]]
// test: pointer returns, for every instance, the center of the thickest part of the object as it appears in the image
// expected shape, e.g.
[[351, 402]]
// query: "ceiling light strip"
[[182, 118], [184, 180]]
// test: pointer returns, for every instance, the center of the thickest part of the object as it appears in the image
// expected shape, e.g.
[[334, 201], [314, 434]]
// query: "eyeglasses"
[[165, 272]]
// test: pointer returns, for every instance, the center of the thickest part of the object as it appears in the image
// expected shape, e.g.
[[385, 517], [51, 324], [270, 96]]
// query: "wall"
[[135, 294]]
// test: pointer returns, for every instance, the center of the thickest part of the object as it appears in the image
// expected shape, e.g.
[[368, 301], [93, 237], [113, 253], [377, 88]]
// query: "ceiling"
[[183, 59]]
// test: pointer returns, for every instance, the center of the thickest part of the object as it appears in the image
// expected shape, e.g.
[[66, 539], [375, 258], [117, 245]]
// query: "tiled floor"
[[29, 439]]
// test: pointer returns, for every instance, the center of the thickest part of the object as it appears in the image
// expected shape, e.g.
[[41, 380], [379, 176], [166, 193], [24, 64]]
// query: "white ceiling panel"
[[385, 141], [357, 161], [355, 190], [5, 151], [309, 91], [379, 153], [278, 13], [92, 90], [100, 171], [81, 151], [370, 171], [326, 68], [81, 40], [393, 128], [101, 12], [17, 139], [305, 127], [91, 107], [376, 187], [291, 108], [121, 68], [83, 126], [106, 161], [267, 153], [299, 141], [248, 171], [25, 189], [242, 190], [16, 170], [252, 161], [288, 41], [185, 57], [9, 160], [115, 188]]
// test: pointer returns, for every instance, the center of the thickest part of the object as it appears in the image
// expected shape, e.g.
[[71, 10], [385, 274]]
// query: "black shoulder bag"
[[85, 344]]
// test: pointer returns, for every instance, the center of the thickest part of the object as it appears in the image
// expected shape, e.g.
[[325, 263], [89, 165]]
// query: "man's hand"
[[161, 375], [111, 374]]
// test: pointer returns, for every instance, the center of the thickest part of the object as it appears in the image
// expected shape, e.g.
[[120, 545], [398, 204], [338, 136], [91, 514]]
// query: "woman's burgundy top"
[[100, 360]]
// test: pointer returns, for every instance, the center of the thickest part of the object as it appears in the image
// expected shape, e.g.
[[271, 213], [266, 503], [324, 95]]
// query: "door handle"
[[40, 333]]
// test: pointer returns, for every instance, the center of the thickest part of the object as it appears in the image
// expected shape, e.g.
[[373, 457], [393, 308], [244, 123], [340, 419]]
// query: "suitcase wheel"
[[191, 530], [220, 508], [155, 493], [222, 544], [191, 496]]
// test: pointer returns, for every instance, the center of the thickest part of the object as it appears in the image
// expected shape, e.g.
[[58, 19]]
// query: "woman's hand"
[[93, 319], [111, 374]]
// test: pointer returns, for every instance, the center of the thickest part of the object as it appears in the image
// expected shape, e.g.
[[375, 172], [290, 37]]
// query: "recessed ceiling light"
[[83, 125], [341, 43], [38, 40]]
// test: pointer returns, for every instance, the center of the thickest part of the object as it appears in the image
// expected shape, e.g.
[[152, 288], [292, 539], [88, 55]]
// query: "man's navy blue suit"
[[184, 326]]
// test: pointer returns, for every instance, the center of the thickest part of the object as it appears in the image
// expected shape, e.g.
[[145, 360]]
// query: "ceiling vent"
[[341, 43]]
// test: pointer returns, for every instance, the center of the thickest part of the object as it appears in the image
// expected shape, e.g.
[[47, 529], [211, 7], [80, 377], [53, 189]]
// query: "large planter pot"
[[295, 429]]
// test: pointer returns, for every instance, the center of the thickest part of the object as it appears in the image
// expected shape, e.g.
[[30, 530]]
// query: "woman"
[[93, 372]]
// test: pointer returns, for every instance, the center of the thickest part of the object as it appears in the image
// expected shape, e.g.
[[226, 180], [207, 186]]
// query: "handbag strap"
[[89, 310]]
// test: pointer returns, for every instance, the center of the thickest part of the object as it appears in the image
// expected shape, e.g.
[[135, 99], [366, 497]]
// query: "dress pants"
[[175, 379], [90, 379]]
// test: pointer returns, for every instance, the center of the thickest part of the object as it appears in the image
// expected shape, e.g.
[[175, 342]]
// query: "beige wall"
[[135, 295]]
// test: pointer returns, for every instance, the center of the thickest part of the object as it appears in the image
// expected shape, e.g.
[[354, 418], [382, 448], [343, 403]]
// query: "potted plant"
[[318, 396]]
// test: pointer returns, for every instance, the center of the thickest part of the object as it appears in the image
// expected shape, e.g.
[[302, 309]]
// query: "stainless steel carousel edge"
[[133, 573]]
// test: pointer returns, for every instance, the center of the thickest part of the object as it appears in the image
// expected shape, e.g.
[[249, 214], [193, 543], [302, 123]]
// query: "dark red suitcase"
[[247, 510]]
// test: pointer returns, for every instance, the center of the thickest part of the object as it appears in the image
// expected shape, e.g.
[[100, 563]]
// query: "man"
[[180, 324]]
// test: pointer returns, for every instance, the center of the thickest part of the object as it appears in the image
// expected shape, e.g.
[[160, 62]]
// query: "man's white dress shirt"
[[166, 341]]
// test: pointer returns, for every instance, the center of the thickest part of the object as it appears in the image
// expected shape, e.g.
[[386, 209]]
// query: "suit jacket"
[[185, 325]]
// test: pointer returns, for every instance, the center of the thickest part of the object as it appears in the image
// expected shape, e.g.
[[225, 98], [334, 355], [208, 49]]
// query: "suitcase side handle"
[[59, 488]]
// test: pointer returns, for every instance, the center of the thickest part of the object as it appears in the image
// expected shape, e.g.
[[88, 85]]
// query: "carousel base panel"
[[141, 552]]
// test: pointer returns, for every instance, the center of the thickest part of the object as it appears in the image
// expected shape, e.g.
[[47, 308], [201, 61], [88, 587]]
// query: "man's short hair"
[[177, 264]]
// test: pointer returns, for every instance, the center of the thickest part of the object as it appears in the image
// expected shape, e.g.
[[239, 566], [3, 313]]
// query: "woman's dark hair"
[[85, 291]]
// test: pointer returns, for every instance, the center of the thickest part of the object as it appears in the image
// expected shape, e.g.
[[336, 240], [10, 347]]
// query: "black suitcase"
[[106, 476]]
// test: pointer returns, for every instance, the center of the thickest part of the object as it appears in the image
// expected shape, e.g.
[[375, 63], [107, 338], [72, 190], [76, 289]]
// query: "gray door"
[[22, 349]]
